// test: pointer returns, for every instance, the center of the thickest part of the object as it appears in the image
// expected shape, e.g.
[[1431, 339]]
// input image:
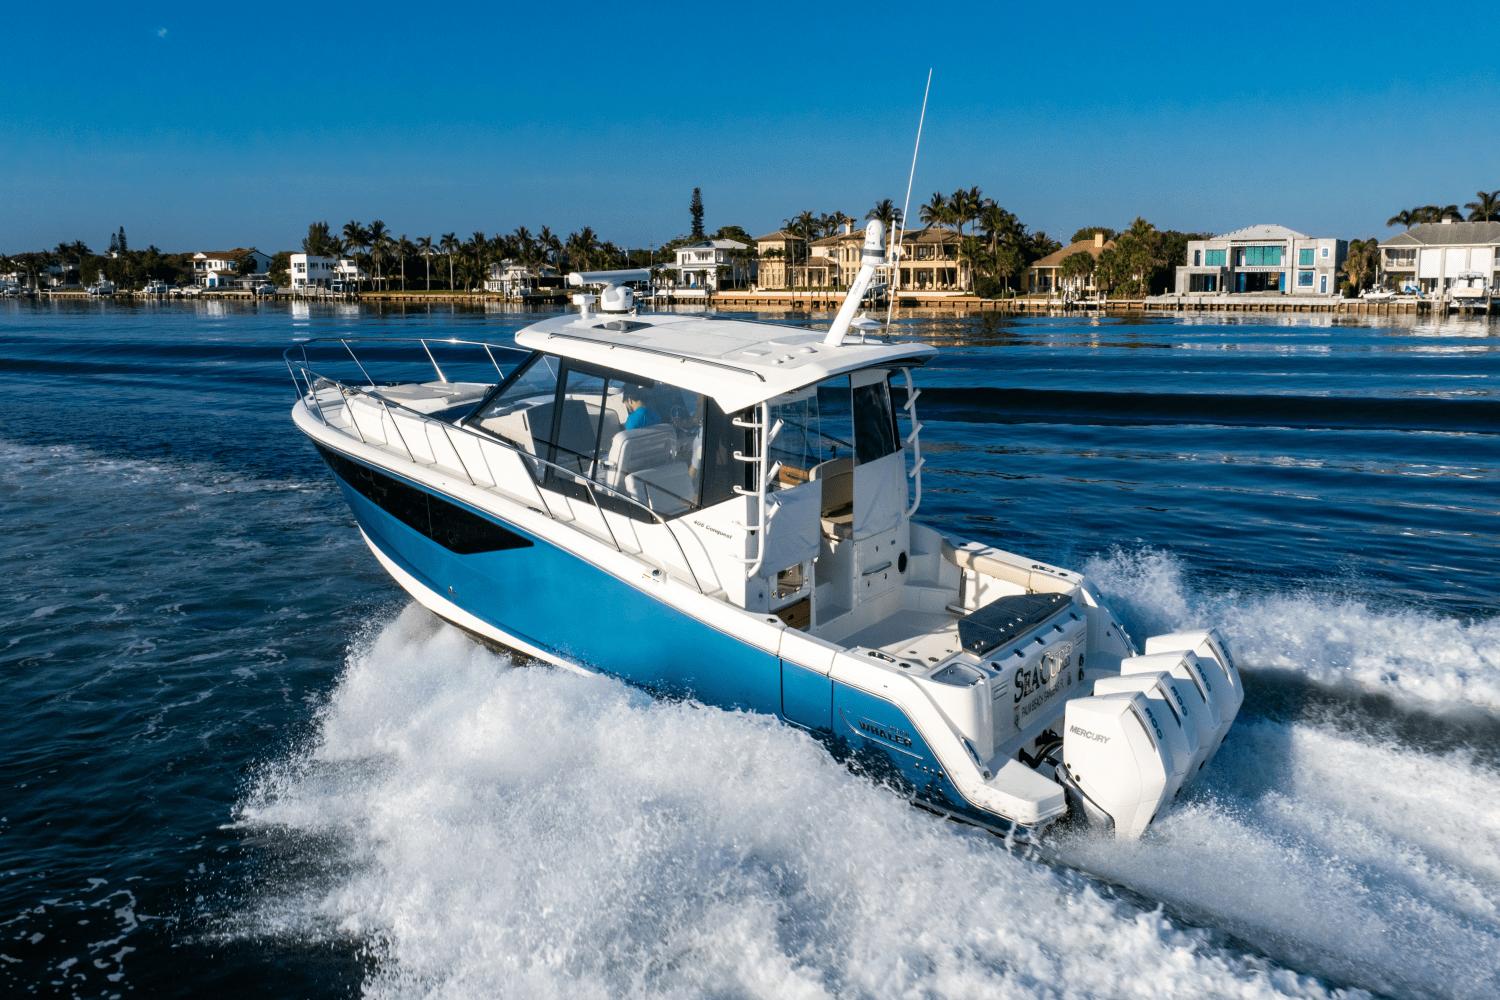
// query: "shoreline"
[[819, 301]]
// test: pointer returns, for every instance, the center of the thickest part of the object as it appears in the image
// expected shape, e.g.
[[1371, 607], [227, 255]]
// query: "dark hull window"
[[452, 527]]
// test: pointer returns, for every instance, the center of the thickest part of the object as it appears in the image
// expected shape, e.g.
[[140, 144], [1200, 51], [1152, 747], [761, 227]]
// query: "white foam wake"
[[526, 832], [1366, 862], [1332, 639]]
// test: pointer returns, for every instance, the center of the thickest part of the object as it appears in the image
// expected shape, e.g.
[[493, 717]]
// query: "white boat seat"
[[634, 451], [666, 489], [837, 495]]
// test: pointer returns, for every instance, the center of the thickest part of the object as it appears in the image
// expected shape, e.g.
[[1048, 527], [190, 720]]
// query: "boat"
[[1378, 294], [1470, 290], [102, 287], [726, 511], [157, 288]]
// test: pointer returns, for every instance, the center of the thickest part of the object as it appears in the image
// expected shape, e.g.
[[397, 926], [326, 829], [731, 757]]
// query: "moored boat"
[[726, 510]]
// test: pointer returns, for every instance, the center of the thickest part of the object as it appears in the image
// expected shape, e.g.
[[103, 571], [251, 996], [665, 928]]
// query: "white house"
[[515, 280], [1433, 256], [220, 268], [1261, 259], [310, 270], [712, 264]]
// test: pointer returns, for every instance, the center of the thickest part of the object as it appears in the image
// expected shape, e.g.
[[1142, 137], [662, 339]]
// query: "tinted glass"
[[448, 524], [874, 423], [578, 423]]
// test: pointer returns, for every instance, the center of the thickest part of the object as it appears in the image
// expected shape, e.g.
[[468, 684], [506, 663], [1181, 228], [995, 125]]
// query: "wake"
[[1434, 663], [529, 832], [526, 831]]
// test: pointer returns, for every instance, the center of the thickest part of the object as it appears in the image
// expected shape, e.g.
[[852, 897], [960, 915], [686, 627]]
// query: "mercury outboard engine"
[[1146, 732], [1116, 764]]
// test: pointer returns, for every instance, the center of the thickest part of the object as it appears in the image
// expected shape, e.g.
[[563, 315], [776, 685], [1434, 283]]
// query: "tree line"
[[1484, 208], [451, 262], [77, 263]]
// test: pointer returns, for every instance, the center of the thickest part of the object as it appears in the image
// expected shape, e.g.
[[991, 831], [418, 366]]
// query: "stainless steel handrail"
[[311, 380], [425, 343]]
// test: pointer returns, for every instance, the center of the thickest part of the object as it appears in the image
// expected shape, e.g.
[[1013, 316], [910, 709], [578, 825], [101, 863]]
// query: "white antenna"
[[894, 255]]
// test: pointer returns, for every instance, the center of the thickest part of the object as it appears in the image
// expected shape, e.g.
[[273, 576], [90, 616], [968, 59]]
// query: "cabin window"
[[831, 425], [874, 423], [646, 443]]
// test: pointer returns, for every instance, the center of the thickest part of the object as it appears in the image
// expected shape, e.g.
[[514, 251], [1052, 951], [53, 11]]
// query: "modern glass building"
[[1264, 260]]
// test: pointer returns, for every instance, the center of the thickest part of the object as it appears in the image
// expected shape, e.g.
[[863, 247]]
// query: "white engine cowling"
[[1225, 688], [1199, 709], [1114, 758], [1180, 735]]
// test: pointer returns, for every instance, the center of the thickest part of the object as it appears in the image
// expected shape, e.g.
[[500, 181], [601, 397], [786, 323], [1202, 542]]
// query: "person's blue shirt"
[[642, 416]]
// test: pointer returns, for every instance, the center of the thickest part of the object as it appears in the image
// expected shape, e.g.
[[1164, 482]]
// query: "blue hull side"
[[557, 602]]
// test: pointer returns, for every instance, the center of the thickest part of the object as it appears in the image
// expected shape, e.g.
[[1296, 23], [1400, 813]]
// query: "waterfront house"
[[515, 280], [1045, 276], [220, 268], [1262, 259], [775, 253], [311, 271], [931, 261], [1433, 256], [712, 264]]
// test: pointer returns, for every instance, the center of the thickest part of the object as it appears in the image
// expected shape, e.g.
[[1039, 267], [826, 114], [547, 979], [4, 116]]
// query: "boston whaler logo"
[[886, 733]]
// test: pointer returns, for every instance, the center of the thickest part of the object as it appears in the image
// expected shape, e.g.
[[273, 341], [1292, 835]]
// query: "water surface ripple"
[[239, 762]]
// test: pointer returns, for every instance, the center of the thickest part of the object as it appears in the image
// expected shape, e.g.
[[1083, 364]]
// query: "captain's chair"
[[642, 464]]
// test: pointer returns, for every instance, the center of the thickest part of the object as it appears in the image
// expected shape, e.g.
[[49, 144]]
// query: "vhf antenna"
[[895, 246]]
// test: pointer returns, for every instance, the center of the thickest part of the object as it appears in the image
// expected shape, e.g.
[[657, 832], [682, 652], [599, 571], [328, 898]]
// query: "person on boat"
[[640, 412]]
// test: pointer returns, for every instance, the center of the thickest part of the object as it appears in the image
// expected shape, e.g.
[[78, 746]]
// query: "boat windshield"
[[670, 449]]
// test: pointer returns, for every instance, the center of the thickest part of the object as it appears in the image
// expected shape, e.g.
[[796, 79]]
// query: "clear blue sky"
[[204, 125]]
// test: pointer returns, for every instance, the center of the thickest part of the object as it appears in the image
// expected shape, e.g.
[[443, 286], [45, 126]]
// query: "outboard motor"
[[1209, 647], [1181, 734], [1191, 682], [1114, 759]]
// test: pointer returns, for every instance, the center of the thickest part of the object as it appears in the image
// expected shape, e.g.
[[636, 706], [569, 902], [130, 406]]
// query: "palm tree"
[[477, 245], [424, 247], [1437, 213], [356, 237], [936, 211], [1485, 207], [449, 245], [404, 249], [378, 238], [964, 206], [805, 227], [525, 245], [1406, 218], [551, 245], [886, 212]]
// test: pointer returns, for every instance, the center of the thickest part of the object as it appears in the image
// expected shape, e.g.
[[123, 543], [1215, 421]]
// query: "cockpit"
[[662, 446]]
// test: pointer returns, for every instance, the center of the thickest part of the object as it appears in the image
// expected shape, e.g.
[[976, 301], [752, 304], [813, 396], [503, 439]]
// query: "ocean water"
[[236, 761]]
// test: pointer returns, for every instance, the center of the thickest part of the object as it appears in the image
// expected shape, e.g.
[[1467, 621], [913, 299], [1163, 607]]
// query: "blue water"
[[236, 761]]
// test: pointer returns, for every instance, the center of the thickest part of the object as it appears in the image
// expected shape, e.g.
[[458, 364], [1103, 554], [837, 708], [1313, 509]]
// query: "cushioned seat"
[[634, 451], [666, 489]]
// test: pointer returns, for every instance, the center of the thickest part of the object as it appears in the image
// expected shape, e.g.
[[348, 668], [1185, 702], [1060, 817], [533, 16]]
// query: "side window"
[[578, 422], [874, 422], [817, 426], [521, 412]]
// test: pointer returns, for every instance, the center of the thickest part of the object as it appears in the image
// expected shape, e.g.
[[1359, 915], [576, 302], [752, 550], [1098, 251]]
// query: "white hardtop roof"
[[738, 363]]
